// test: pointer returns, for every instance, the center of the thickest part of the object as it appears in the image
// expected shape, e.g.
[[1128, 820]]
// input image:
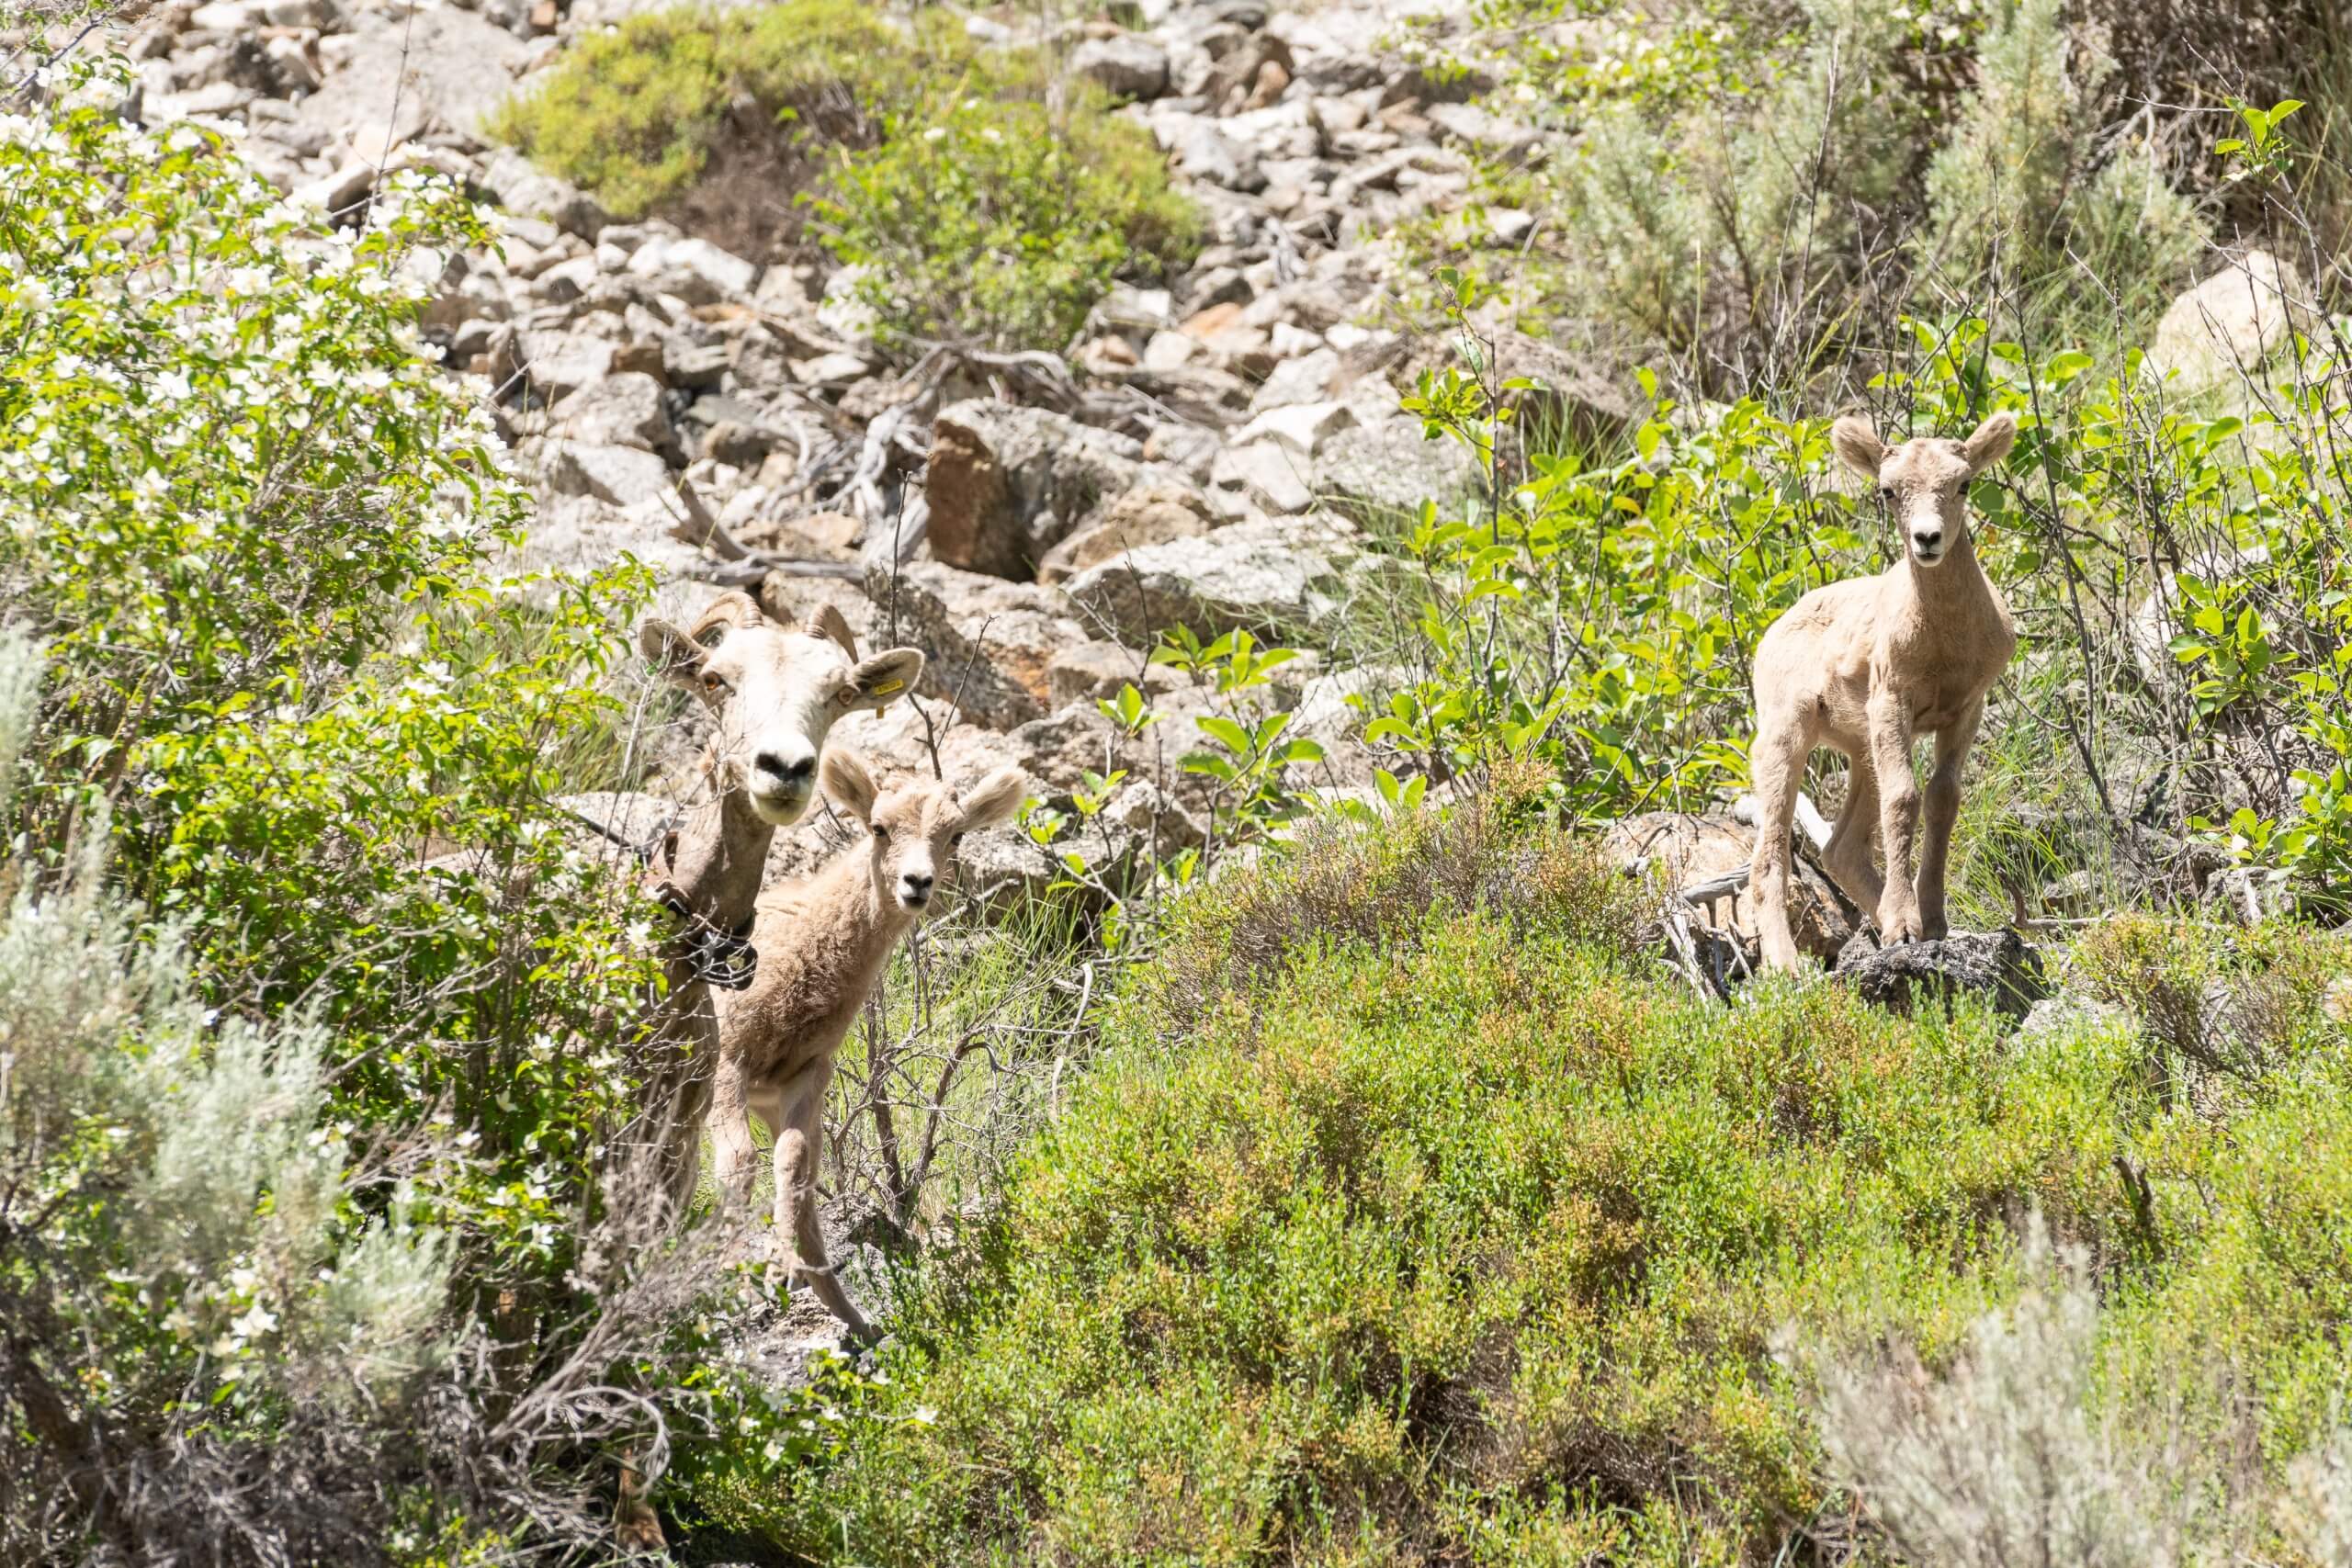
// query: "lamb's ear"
[[848, 783], [994, 799], [1857, 444], [679, 657], [878, 682], [1990, 443], [827, 621]]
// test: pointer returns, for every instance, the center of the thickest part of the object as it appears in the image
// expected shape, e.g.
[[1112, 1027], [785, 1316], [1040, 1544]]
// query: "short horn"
[[735, 608], [827, 621]]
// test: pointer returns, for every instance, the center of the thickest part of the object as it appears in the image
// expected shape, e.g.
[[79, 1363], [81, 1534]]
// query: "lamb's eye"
[[954, 841], [714, 683], [881, 834], [1886, 493]]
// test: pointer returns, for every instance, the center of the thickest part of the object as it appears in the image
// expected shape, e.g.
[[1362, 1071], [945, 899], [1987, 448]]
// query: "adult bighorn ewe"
[[1865, 666], [822, 944], [774, 693]]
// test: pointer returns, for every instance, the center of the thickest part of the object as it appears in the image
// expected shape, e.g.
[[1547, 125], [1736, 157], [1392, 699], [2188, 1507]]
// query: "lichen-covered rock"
[[1388, 470], [2000, 967]]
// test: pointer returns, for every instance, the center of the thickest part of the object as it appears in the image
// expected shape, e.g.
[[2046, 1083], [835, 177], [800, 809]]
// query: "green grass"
[[1413, 1216]]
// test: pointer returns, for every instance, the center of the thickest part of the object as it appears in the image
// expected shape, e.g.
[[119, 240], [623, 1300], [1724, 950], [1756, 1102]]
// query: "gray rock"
[[1275, 577], [1386, 470], [524, 190], [987, 642], [1998, 967], [1268, 474], [622, 410], [1006, 484], [562, 363], [401, 76], [697, 367], [618, 476], [1149, 514], [694, 270], [1202, 152], [1129, 65]]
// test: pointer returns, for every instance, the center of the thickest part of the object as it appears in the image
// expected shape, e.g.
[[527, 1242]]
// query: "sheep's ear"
[[993, 799], [1857, 444], [826, 622], [882, 680], [847, 782], [1990, 443], [678, 656]]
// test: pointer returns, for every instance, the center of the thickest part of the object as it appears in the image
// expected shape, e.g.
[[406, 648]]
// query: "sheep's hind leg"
[[1776, 765], [1846, 857]]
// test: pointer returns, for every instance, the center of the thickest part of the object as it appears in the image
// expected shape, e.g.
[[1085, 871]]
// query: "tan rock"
[[2228, 323]]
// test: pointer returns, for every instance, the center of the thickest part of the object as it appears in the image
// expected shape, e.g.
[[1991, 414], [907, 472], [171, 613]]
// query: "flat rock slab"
[[2000, 966]]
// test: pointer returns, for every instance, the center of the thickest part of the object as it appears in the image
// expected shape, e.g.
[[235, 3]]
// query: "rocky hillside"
[[1208, 456]]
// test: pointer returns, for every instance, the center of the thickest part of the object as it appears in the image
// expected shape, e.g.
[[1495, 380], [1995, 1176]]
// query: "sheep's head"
[[775, 691], [1924, 481], [917, 823]]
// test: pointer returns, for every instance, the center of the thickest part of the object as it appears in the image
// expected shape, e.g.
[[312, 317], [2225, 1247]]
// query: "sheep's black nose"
[[917, 883], [799, 771]]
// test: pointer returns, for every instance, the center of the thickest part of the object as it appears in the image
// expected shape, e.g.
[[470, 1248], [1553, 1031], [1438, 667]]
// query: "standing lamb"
[[1866, 665], [822, 944]]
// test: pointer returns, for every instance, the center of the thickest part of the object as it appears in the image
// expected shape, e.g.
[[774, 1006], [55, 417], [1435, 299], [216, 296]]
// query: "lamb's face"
[[1924, 481], [916, 825], [774, 693]]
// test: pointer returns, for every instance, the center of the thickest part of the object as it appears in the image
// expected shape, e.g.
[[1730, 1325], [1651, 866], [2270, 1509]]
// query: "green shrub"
[[998, 222], [992, 203], [2018, 193], [1457, 1234], [315, 1029], [633, 112]]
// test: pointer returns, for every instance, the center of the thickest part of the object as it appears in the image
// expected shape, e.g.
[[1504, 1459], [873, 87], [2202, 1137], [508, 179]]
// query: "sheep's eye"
[[881, 834], [1886, 493], [955, 840], [714, 683]]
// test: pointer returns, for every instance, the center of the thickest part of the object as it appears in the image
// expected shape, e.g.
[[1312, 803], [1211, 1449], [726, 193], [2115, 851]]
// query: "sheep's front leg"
[[735, 1161], [1899, 806], [1943, 811], [799, 1141]]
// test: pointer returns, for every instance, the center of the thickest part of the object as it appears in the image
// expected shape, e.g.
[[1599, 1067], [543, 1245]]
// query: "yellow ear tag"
[[887, 687]]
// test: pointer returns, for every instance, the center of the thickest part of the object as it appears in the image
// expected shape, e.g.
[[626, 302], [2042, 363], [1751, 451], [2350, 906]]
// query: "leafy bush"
[[634, 112], [2015, 195], [1470, 1238], [998, 222], [991, 203], [318, 1227]]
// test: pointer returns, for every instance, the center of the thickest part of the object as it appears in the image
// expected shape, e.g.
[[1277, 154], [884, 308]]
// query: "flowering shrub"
[[316, 1025]]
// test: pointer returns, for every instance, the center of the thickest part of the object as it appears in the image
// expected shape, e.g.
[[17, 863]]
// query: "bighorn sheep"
[[774, 693], [822, 943], [1862, 667]]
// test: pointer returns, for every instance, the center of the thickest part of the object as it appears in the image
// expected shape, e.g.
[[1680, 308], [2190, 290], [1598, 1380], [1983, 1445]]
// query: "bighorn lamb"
[[774, 692], [822, 944], [1866, 665]]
